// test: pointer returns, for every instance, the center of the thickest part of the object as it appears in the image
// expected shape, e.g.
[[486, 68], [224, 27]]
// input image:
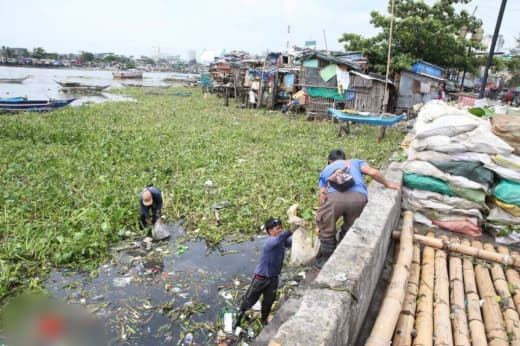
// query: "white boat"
[[123, 74]]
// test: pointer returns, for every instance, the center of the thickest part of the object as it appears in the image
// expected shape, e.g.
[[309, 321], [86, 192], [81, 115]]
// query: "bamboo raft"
[[449, 292]]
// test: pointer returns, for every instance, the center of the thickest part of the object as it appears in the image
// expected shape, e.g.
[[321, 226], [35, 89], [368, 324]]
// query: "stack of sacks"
[[451, 169], [504, 216]]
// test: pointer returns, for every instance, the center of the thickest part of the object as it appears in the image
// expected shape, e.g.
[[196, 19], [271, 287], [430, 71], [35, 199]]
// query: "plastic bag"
[[305, 244], [160, 231]]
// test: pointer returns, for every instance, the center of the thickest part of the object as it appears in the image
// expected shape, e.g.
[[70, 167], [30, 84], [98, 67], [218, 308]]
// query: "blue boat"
[[14, 105], [375, 119]]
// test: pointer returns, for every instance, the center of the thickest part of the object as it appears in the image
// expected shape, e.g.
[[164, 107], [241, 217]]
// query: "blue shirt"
[[271, 260], [355, 172], [156, 205]]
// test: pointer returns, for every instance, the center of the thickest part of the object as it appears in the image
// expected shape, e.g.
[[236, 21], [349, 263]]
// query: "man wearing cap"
[[151, 203], [265, 279]]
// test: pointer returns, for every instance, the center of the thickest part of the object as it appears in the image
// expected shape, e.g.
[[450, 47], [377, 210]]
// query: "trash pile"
[[463, 172]]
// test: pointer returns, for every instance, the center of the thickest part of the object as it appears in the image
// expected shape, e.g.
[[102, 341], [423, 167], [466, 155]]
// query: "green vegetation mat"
[[71, 178]]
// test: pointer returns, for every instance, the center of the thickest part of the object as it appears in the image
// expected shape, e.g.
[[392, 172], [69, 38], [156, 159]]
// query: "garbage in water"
[[228, 322], [161, 296], [160, 231], [188, 339], [121, 282]]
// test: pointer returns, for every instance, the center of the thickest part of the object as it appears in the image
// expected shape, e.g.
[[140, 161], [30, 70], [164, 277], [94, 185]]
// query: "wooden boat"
[[33, 105], [127, 74], [13, 80], [375, 119], [80, 87]]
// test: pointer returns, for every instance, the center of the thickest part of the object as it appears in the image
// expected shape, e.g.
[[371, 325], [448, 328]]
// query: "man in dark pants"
[[265, 280], [347, 204], [151, 203]]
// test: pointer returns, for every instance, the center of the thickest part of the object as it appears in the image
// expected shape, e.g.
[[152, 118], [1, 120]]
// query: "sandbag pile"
[[463, 173]]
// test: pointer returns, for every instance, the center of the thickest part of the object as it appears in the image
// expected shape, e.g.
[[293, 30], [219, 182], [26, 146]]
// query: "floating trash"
[[121, 282]]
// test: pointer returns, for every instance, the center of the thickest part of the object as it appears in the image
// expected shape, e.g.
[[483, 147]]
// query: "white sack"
[[449, 125], [305, 244], [436, 109]]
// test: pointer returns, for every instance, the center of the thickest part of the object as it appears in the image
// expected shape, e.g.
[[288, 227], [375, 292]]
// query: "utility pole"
[[492, 48], [325, 38]]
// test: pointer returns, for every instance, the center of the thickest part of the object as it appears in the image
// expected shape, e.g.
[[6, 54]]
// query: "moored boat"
[[13, 80], [80, 87], [33, 105], [123, 74]]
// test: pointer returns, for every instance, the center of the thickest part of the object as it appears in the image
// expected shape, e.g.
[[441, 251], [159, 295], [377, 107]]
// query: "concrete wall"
[[333, 309]]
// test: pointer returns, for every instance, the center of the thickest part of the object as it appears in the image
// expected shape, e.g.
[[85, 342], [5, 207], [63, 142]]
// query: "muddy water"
[[158, 295]]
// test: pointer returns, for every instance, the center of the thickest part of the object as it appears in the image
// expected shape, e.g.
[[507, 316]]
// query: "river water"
[[156, 295], [41, 83]]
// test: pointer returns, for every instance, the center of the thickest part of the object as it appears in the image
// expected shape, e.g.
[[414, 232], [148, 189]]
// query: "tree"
[[86, 56], [7, 52], [39, 53], [420, 32]]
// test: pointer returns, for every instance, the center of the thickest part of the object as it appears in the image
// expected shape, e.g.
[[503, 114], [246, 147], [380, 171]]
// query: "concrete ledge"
[[333, 310]]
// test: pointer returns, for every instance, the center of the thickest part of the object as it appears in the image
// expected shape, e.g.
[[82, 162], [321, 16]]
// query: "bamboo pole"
[[513, 277], [506, 302], [424, 318], [404, 329], [464, 249], [390, 309], [493, 321], [441, 311], [459, 322], [476, 324]]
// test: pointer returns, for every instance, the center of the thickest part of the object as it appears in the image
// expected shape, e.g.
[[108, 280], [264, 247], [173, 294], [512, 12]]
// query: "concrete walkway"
[[332, 310]]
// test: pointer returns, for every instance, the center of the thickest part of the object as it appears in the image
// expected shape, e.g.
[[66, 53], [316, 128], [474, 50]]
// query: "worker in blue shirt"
[[265, 279], [151, 204], [347, 204]]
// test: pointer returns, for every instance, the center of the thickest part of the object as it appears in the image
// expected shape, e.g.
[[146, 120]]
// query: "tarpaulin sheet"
[[328, 72], [326, 93]]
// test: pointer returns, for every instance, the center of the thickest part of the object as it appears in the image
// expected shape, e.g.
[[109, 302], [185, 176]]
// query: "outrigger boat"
[[127, 74], [372, 119], [13, 80], [80, 87], [17, 105]]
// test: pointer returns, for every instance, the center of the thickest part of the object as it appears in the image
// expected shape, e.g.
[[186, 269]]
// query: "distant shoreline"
[[84, 68]]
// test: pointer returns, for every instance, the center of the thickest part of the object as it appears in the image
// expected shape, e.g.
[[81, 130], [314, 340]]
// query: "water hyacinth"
[[71, 178]]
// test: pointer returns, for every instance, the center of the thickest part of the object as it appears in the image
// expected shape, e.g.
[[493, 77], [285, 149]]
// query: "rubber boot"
[[327, 247]]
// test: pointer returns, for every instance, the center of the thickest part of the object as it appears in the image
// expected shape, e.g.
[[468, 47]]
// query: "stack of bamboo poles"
[[451, 292]]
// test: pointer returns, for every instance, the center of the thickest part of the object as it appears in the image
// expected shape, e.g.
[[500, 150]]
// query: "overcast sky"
[[134, 27]]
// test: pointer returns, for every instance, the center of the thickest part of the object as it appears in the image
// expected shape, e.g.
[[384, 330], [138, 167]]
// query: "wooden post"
[[459, 322], [441, 312]]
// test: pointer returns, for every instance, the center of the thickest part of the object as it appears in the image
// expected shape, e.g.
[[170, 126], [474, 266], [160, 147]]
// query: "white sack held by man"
[[305, 244]]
